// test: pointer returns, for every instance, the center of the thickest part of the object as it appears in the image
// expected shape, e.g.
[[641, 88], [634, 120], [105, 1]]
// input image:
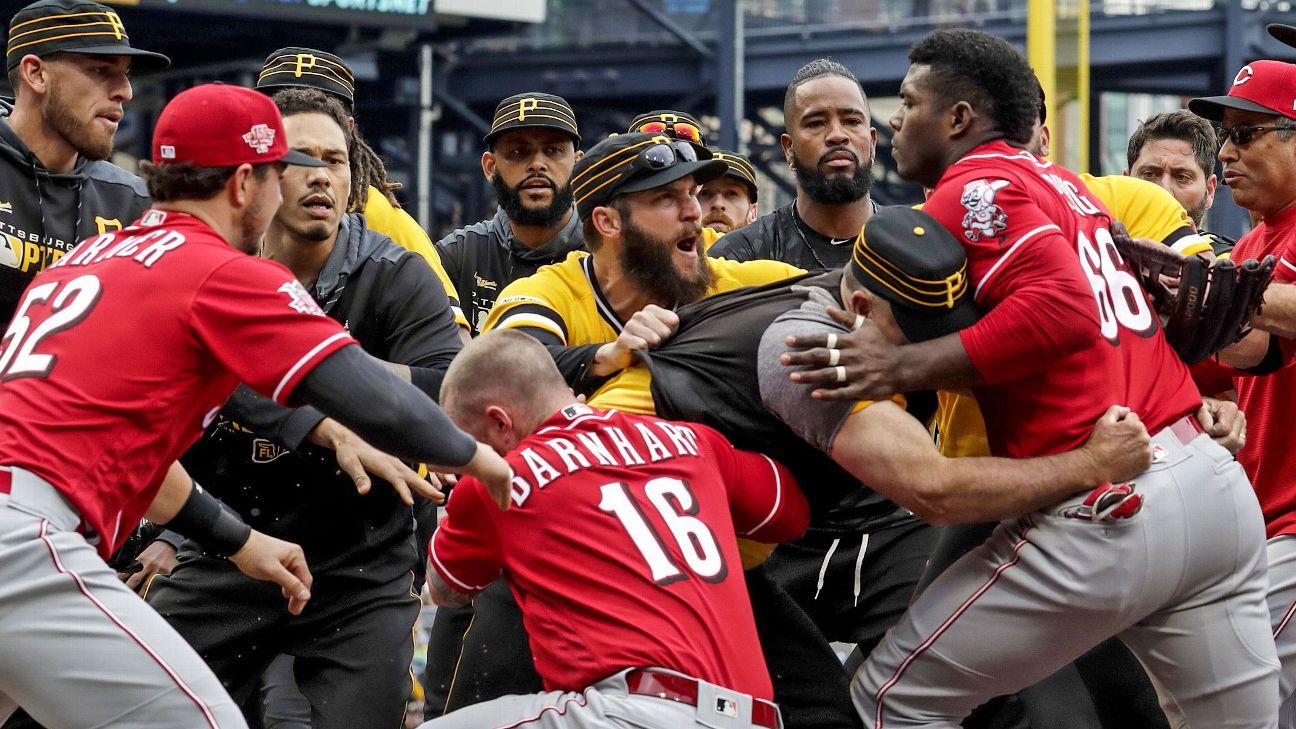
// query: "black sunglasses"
[[666, 154], [1242, 135]]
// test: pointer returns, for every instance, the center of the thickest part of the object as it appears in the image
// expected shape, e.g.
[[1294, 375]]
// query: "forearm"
[[181, 505], [1029, 332], [173, 494], [442, 594], [937, 364], [394, 416], [1278, 316]]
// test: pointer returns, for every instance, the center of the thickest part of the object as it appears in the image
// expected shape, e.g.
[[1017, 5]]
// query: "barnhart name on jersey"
[[607, 446], [145, 248]]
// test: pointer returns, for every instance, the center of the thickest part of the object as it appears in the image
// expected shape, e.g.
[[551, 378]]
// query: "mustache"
[[716, 217], [537, 176], [837, 150]]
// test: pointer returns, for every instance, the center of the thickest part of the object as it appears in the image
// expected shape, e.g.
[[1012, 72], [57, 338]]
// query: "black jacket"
[[253, 457], [481, 259], [43, 215], [777, 236], [712, 359]]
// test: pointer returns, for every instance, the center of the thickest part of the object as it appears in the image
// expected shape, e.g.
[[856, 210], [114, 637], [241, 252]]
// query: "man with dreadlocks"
[[352, 645], [371, 192]]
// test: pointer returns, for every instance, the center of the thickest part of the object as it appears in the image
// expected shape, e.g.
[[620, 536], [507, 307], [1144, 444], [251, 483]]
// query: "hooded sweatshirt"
[[43, 214]]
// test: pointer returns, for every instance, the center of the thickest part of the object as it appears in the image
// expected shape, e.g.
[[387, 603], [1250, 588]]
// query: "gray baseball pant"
[[605, 704], [1282, 611], [1182, 582], [78, 650]]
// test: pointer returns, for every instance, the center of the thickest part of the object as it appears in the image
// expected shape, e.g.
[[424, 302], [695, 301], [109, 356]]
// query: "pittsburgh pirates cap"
[[739, 167], [665, 121], [215, 125], [73, 26], [295, 67], [908, 258], [613, 167], [1266, 87], [532, 110]]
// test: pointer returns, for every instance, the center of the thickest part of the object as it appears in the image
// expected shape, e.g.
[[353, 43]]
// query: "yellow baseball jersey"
[[709, 237], [397, 224], [1148, 211], [565, 301]]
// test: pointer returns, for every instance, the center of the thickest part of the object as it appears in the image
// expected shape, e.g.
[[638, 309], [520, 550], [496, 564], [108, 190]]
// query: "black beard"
[[511, 200], [647, 262], [835, 189]]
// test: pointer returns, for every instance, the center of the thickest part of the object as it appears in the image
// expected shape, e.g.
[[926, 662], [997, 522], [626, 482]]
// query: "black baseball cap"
[[908, 258], [73, 26], [740, 168], [1283, 33], [532, 110], [294, 67], [627, 163], [672, 123]]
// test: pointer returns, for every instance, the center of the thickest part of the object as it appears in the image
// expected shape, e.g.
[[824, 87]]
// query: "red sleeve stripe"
[[778, 497], [305, 360], [440, 567], [976, 295]]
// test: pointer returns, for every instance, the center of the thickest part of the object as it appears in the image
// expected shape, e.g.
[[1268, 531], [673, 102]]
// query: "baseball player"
[[359, 547], [1259, 156], [729, 201], [56, 182], [829, 144], [86, 448], [662, 637], [682, 125], [530, 149], [371, 192], [1162, 562]]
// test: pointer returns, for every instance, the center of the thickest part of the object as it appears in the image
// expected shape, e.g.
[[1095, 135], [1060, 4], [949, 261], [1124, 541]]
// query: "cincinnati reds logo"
[[984, 219], [260, 137], [1244, 75]]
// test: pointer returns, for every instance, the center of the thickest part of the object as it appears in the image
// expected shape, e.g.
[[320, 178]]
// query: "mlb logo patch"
[[1159, 453], [166, 151], [726, 707]]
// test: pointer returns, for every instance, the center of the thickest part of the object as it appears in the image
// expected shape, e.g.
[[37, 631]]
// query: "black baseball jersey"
[[483, 258], [783, 236], [389, 300], [712, 360], [43, 214]]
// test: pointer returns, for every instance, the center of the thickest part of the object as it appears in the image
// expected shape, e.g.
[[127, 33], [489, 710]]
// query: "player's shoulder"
[[730, 274], [470, 235], [553, 285], [391, 221], [105, 173]]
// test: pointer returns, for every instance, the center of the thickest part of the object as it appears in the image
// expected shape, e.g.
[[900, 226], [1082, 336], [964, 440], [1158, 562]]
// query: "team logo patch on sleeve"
[[984, 219], [300, 299]]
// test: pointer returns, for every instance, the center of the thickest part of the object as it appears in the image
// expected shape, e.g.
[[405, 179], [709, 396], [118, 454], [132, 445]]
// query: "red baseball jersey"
[[620, 546], [124, 350], [1068, 330], [1268, 457]]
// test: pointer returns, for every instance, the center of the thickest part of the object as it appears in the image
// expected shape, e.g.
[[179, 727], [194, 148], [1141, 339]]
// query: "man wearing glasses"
[[1258, 123]]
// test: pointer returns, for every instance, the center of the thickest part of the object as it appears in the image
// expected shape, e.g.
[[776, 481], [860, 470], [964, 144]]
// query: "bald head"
[[503, 378]]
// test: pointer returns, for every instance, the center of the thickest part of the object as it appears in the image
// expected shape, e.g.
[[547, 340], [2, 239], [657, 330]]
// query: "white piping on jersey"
[[976, 295], [292, 371], [1286, 263], [546, 323], [778, 499], [578, 420], [448, 573], [823, 568], [1022, 155]]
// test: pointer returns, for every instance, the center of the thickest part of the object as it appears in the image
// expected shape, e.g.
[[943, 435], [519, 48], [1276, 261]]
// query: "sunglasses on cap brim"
[[679, 130]]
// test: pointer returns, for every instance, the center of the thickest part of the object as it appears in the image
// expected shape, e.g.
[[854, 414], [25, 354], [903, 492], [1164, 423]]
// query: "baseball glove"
[[1212, 306]]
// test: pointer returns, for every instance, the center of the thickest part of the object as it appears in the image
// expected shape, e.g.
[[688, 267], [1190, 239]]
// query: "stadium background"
[[429, 72]]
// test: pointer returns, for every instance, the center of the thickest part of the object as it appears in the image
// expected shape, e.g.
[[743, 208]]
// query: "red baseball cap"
[[215, 125], [1265, 87]]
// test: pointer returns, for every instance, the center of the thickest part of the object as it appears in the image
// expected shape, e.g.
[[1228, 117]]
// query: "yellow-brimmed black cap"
[[739, 167], [294, 67], [73, 26], [532, 110], [628, 163], [906, 257], [677, 124]]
